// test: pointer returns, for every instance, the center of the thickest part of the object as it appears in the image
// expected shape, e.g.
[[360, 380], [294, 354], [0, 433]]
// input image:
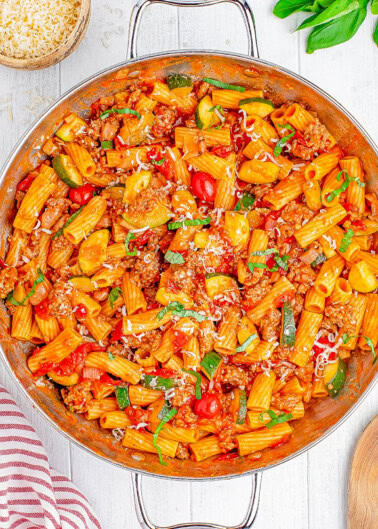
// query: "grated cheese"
[[34, 28]]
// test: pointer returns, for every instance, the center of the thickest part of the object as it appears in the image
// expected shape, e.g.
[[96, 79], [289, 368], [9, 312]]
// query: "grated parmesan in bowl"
[[39, 33]]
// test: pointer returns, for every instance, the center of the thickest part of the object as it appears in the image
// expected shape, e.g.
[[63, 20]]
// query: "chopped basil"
[[246, 343], [217, 107], [346, 241], [276, 419], [252, 266], [255, 100], [114, 295], [281, 261], [318, 260], [107, 145], [245, 202], [174, 257], [344, 186], [72, 218], [189, 222], [157, 162], [264, 253], [198, 381], [105, 114], [189, 314], [170, 307], [167, 418], [221, 84], [111, 356], [130, 237], [40, 279], [345, 338], [282, 141]]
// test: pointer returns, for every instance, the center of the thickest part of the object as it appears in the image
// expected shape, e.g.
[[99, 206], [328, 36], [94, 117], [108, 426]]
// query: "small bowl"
[[62, 51]]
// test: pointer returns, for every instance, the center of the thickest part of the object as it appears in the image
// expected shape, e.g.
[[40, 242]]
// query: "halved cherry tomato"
[[27, 182], [82, 195], [208, 406], [81, 311], [204, 186], [45, 368], [117, 333], [119, 145], [166, 168], [106, 379], [179, 340], [221, 151], [318, 349], [142, 239], [42, 309], [285, 297]]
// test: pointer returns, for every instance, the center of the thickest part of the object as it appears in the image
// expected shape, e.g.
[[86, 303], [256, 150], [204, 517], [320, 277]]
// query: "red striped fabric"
[[32, 494]]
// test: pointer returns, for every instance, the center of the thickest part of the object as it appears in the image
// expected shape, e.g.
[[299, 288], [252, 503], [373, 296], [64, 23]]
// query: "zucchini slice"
[[257, 106], [218, 283], [319, 260], [239, 405], [204, 117], [135, 184], [159, 383], [68, 130], [210, 364], [122, 396], [66, 170], [335, 377], [159, 215], [287, 338], [180, 84]]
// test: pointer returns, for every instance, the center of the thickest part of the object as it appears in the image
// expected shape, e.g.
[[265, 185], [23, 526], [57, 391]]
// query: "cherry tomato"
[[82, 195], [117, 333], [179, 340], [45, 368], [42, 309], [119, 145], [81, 311], [165, 167], [106, 379], [163, 372], [142, 239], [270, 220], [208, 406], [27, 182], [318, 349], [221, 151], [204, 186], [358, 224]]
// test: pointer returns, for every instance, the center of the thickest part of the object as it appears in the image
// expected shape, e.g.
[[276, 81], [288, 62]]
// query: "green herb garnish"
[[198, 381], [105, 114], [189, 222], [167, 418], [40, 279], [276, 419], [174, 257], [107, 145], [111, 356], [130, 237], [346, 241], [345, 338], [282, 141], [170, 307], [71, 219], [217, 107], [157, 162], [245, 202], [221, 84], [189, 314], [114, 295], [344, 186], [246, 343]]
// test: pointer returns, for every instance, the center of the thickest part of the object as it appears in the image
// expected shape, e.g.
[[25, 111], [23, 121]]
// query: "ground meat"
[[285, 402], [55, 208], [8, 278], [183, 280], [78, 397], [305, 373], [226, 441], [185, 417], [339, 316], [261, 190], [182, 451], [150, 341], [301, 275], [270, 325], [296, 214], [203, 88], [109, 129], [59, 300], [235, 376], [183, 395], [317, 139], [147, 268], [164, 120], [146, 201], [283, 368], [157, 234], [60, 243], [253, 295]]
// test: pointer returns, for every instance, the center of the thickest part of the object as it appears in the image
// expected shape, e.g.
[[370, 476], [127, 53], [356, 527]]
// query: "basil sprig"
[[105, 114], [130, 237], [333, 21], [114, 295], [221, 84], [178, 309], [283, 141], [174, 257], [167, 418], [170, 307], [217, 107], [158, 162], [346, 241], [344, 186], [345, 338], [281, 261], [245, 202], [198, 382], [276, 419], [246, 343], [189, 222], [72, 218], [40, 279]]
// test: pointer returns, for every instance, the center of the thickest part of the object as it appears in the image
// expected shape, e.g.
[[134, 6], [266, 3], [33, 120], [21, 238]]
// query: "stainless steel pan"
[[325, 415]]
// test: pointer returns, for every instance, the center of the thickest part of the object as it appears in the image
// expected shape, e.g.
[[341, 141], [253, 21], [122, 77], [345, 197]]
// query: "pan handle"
[[140, 6], [245, 524]]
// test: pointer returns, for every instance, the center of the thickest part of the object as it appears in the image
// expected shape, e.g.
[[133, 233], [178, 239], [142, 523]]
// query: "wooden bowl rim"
[[53, 57]]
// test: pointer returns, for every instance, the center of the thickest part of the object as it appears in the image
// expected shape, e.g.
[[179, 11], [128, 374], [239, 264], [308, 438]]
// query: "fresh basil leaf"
[[284, 8], [71, 218], [318, 6], [345, 338], [282, 261], [371, 345], [336, 31], [105, 114], [167, 418], [245, 202], [111, 355], [189, 222], [217, 107], [337, 9], [174, 305], [157, 162], [246, 343], [130, 237], [281, 144], [188, 314], [374, 7], [174, 257], [114, 295], [346, 241], [264, 253], [276, 419], [40, 279], [11, 299], [198, 381]]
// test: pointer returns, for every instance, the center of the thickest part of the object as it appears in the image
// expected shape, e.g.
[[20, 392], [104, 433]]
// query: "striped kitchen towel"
[[32, 494]]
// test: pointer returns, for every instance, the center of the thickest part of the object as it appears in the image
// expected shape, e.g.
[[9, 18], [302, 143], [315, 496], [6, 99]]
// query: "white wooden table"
[[310, 491]]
